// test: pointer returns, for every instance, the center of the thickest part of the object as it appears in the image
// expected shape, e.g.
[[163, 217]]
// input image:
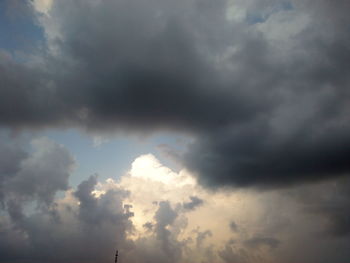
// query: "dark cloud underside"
[[267, 104]]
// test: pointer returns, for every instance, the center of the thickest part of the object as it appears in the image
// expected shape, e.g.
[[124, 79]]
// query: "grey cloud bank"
[[261, 85]]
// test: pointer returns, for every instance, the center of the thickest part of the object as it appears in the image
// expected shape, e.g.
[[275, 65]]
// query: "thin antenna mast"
[[116, 256]]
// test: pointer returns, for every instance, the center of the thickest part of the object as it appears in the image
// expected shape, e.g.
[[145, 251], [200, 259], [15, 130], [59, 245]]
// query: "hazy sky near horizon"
[[199, 131]]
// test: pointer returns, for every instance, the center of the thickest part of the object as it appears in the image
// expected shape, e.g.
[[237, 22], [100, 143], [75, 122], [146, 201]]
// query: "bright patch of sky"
[[18, 29], [261, 17], [111, 157], [255, 15]]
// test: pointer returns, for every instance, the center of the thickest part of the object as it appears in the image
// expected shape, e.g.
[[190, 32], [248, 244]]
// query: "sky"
[[176, 131]]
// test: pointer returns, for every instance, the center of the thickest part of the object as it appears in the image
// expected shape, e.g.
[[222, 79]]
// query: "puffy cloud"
[[266, 226], [45, 227], [165, 216], [34, 176], [42, 6], [143, 216]]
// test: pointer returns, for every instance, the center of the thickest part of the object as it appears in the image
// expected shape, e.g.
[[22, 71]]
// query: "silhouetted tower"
[[116, 257]]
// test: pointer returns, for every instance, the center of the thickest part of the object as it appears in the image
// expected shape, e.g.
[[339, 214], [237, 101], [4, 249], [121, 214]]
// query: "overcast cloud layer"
[[261, 85]]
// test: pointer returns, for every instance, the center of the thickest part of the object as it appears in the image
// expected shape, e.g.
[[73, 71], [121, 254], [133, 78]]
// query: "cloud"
[[34, 176], [195, 202], [88, 223], [42, 6], [256, 242], [267, 107], [11, 156], [42, 238], [45, 226], [233, 226], [331, 202], [165, 216], [229, 254], [201, 236], [148, 225]]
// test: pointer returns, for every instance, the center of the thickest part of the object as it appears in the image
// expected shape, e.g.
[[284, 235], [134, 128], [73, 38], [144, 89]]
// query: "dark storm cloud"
[[305, 136], [263, 111], [152, 76], [254, 156]]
